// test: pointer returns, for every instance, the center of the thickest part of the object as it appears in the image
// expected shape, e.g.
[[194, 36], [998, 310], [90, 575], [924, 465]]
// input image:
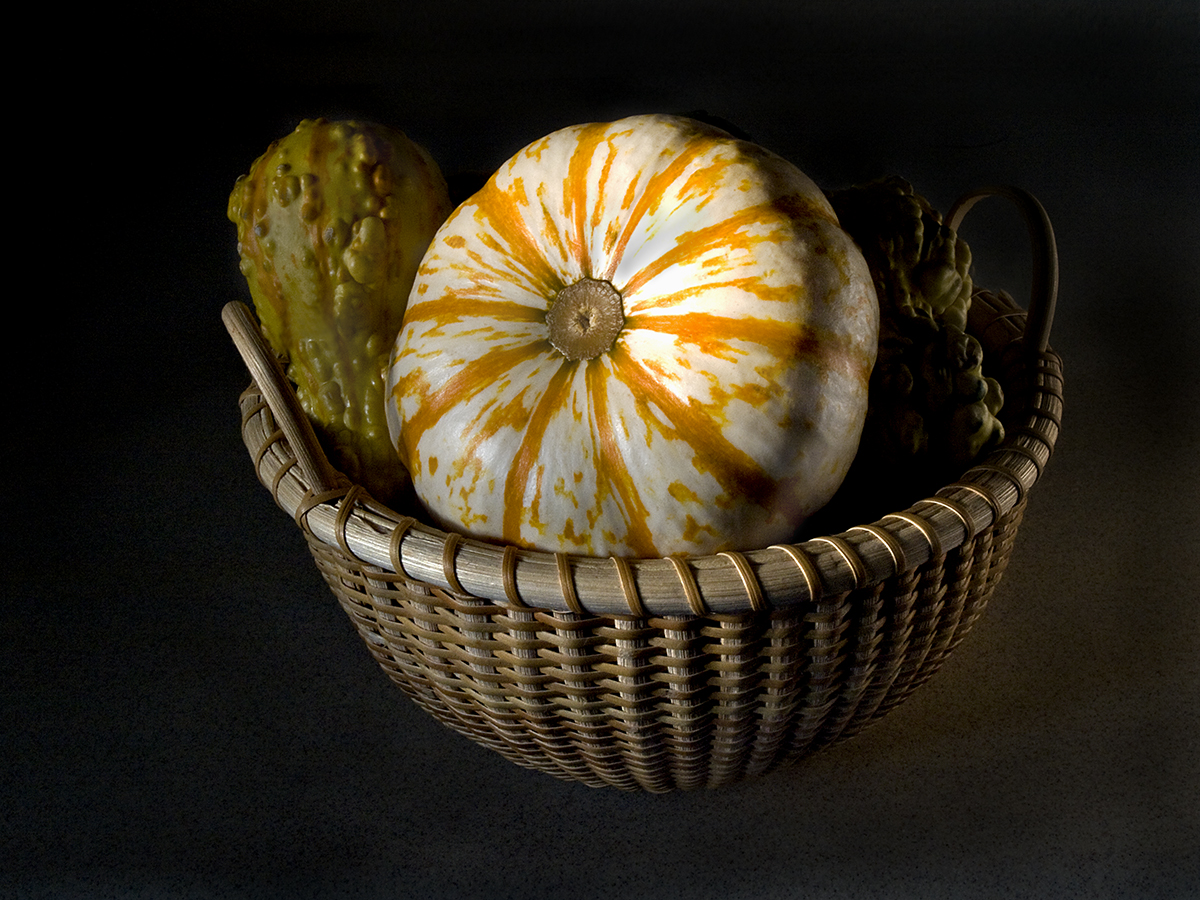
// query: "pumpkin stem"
[[585, 318]]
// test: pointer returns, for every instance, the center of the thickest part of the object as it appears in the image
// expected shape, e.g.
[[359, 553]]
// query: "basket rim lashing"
[[366, 548]]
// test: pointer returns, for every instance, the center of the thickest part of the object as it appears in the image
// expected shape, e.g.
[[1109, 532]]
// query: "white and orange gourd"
[[639, 338]]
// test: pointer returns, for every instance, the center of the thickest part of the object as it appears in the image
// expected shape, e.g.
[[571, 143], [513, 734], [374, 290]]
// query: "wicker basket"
[[664, 674]]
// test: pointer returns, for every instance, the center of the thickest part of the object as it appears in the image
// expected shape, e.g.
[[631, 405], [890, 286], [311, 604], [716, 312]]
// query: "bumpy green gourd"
[[332, 222], [931, 401], [932, 411], [918, 263]]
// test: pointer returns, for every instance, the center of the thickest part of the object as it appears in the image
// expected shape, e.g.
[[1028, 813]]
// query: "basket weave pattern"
[[677, 674], [666, 703]]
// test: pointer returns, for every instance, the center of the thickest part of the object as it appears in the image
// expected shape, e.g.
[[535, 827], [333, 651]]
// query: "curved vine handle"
[[269, 376], [1044, 290]]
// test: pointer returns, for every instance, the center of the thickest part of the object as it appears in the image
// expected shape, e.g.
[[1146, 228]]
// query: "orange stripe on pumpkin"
[[602, 185], [716, 335], [612, 476], [575, 191], [781, 293], [785, 342], [449, 311], [690, 421], [727, 236], [551, 233], [652, 194], [476, 376], [551, 403], [502, 210]]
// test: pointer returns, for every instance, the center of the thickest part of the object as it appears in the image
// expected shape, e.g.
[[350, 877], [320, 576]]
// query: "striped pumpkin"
[[639, 338]]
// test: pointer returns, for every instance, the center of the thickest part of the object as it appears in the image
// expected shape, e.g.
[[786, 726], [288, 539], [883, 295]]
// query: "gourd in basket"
[[594, 661], [332, 221], [640, 338]]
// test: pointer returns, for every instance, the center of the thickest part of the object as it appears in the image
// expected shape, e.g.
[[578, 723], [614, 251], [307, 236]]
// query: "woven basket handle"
[[1044, 290], [285, 407]]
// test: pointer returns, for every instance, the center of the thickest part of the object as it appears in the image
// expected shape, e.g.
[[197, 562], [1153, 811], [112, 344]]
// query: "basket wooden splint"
[[666, 674]]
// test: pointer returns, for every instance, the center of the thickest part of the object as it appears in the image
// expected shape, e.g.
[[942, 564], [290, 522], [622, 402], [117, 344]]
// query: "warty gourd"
[[332, 221]]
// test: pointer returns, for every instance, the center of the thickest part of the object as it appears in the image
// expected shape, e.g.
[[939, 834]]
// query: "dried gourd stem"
[[585, 318]]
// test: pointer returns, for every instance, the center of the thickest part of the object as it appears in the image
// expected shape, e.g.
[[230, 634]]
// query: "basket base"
[[661, 705]]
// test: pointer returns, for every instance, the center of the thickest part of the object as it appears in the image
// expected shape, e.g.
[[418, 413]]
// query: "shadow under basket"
[[673, 674]]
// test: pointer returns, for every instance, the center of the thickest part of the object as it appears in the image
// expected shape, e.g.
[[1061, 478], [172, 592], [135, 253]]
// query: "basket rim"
[[388, 544]]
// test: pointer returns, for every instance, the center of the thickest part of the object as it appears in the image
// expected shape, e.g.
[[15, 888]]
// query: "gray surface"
[[186, 712]]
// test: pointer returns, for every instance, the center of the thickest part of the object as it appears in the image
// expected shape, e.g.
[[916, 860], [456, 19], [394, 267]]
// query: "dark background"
[[184, 710]]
